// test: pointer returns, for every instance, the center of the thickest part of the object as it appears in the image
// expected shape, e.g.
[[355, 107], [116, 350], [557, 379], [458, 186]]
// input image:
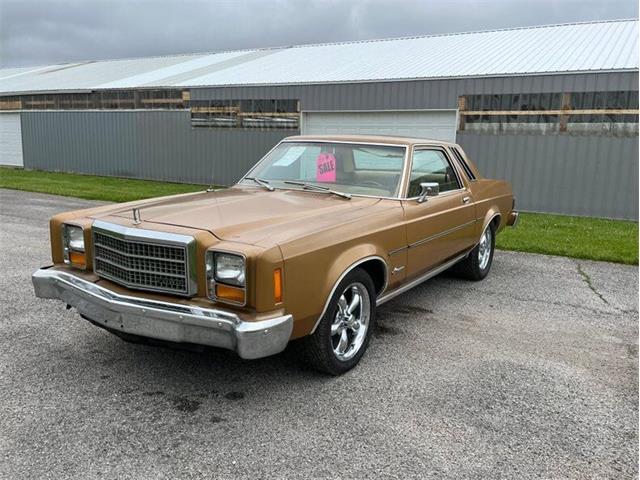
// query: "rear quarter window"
[[463, 163]]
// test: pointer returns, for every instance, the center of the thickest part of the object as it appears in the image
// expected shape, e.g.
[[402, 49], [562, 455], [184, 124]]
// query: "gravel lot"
[[532, 373]]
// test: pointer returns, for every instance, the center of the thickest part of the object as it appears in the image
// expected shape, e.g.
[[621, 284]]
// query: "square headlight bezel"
[[68, 249], [212, 280]]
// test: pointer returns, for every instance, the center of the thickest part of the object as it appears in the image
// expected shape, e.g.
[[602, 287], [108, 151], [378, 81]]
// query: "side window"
[[431, 166], [463, 163]]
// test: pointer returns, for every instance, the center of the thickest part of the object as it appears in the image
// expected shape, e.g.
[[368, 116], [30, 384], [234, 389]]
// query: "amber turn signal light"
[[78, 259], [233, 294], [277, 285]]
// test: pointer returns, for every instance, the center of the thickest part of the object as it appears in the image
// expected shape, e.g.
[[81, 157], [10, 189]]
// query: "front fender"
[[312, 279], [344, 264]]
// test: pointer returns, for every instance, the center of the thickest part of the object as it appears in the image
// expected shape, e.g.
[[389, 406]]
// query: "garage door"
[[438, 125], [10, 140]]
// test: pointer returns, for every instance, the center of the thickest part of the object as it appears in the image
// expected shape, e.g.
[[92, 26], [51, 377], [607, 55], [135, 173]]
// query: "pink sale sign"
[[326, 167]]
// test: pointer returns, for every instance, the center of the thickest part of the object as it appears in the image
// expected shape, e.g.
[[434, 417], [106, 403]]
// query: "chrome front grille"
[[143, 259]]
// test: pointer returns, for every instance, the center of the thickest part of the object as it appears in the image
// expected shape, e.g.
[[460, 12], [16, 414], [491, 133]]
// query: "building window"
[[245, 113], [100, 100], [607, 113]]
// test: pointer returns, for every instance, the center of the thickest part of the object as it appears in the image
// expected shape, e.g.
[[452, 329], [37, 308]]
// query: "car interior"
[[431, 166], [358, 170], [362, 169]]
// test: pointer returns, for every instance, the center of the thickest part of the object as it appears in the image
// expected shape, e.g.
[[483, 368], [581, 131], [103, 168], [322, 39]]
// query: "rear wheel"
[[477, 264], [343, 334]]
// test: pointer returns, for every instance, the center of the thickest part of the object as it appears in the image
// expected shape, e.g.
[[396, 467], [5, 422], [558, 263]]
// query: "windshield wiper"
[[311, 186], [261, 182]]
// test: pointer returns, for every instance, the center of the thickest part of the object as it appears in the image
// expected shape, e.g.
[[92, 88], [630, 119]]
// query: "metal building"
[[553, 109]]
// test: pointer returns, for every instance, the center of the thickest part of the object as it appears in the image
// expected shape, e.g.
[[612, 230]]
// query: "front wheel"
[[477, 264], [343, 334]]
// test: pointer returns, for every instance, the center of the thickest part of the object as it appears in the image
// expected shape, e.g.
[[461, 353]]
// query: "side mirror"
[[429, 189]]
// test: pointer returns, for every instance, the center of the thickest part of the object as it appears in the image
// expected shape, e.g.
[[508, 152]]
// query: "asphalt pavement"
[[531, 373]]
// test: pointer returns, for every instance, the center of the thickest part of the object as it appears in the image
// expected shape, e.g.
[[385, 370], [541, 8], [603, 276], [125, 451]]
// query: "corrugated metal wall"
[[420, 94], [158, 145], [583, 175], [575, 175]]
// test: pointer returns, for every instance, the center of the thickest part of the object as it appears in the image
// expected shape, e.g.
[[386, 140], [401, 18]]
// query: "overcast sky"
[[55, 31]]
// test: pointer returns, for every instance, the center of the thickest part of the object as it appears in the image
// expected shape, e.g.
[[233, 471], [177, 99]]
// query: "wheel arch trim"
[[349, 269], [491, 215]]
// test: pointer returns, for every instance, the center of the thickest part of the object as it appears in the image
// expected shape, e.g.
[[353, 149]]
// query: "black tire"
[[470, 267], [318, 349]]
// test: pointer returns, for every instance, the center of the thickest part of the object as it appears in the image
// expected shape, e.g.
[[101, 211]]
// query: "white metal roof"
[[569, 48]]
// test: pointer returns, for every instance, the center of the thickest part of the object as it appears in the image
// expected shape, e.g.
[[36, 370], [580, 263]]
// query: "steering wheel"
[[373, 183]]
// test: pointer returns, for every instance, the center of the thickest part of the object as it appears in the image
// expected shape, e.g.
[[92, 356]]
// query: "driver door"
[[444, 225]]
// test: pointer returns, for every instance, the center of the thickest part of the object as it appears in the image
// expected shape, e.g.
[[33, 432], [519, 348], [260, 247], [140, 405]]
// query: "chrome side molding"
[[422, 278]]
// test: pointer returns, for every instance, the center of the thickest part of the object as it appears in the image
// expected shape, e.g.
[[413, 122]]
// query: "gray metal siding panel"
[[158, 145], [573, 175], [420, 94]]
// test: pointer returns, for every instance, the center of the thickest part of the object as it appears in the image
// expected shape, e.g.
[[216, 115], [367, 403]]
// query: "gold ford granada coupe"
[[321, 231]]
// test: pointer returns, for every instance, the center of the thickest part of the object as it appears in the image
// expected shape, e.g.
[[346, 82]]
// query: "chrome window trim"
[[151, 237], [344, 274], [355, 142], [212, 295], [405, 162], [442, 148], [408, 160]]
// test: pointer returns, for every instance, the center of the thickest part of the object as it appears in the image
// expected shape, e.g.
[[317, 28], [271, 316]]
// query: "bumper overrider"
[[165, 321]]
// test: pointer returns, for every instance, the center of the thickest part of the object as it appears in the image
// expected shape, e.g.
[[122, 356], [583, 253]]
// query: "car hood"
[[253, 215]]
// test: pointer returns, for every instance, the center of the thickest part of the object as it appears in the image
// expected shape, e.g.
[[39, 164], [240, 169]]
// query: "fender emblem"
[[397, 269]]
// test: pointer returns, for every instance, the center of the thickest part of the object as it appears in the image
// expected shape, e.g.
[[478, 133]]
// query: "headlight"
[[229, 269], [73, 244], [226, 274]]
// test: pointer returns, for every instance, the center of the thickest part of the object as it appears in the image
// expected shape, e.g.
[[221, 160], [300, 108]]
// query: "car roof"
[[385, 139]]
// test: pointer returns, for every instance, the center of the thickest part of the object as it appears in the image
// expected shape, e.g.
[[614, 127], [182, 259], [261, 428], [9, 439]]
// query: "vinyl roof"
[[550, 49]]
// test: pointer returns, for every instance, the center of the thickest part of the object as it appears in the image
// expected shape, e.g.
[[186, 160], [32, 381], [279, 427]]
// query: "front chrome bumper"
[[171, 322], [513, 218]]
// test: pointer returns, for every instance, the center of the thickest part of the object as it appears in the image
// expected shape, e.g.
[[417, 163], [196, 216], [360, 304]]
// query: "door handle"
[[466, 199]]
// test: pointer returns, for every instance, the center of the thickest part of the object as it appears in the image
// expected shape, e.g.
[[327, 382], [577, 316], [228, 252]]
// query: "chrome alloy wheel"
[[484, 250], [349, 327]]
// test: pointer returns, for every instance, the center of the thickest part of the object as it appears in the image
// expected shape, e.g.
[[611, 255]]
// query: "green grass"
[[576, 237], [90, 187]]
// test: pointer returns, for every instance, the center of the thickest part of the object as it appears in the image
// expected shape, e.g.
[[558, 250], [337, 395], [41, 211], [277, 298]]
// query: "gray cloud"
[[36, 32]]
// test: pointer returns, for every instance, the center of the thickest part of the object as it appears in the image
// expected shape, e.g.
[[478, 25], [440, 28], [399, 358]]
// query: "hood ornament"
[[136, 216]]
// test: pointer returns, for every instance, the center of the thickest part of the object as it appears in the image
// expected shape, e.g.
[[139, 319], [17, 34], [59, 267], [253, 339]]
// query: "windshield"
[[358, 169]]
